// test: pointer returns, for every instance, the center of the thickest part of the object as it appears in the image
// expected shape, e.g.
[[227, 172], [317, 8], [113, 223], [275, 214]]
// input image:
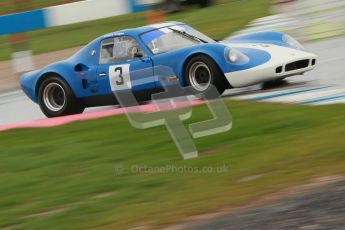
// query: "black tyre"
[[201, 72], [56, 98]]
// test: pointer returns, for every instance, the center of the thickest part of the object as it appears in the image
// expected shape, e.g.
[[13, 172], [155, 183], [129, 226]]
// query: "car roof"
[[135, 32], [140, 30]]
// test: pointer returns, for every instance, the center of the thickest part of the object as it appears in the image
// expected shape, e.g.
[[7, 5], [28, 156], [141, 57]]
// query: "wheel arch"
[[186, 61], [45, 76], [72, 105]]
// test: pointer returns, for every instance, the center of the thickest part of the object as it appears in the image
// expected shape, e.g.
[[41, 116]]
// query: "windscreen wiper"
[[188, 35]]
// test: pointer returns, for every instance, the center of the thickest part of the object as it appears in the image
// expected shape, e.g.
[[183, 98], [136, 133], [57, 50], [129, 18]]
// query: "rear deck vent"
[[84, 83], [297, 65]]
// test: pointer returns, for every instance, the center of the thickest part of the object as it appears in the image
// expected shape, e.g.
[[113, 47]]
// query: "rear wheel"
[[201, 72], [56, 98]]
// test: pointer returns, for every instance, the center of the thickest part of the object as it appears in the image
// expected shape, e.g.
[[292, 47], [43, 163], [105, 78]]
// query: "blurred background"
[[30, 29], [102, 174]]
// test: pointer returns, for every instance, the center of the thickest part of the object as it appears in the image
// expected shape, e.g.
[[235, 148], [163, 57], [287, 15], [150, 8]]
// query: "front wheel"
[[56, 98], [201, 72]]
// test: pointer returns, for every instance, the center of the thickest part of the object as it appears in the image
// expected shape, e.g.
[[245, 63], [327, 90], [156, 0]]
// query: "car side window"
[[120, 49]]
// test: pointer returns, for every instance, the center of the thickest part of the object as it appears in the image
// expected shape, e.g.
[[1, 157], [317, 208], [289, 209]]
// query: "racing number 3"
[[120, 81], [119, 77]]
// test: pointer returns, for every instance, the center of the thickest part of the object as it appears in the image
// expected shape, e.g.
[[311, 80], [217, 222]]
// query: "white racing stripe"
[[309, 95], [337, 100], [280, 93], [316, 95]]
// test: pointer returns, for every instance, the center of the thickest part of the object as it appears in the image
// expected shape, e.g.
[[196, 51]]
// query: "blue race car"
[[127, 60]]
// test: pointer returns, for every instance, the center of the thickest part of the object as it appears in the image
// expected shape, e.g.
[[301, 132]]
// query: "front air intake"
[[297, 65]]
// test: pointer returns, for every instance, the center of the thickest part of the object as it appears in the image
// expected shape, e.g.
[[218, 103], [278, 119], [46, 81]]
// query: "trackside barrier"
[[305, 19], [67, 14], [81, 11], [320, 18]]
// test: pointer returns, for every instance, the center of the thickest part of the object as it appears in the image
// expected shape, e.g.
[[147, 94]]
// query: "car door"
[[123, 64]]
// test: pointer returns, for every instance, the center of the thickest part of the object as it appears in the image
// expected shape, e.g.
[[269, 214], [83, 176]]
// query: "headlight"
[[235, 56], [292, 42]]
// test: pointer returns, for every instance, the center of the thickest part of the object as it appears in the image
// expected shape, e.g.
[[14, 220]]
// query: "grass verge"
[[218, 21], [10, 6], [65, 177]]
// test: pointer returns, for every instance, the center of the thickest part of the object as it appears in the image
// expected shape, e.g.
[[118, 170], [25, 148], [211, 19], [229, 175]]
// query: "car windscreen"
[[173, 37]]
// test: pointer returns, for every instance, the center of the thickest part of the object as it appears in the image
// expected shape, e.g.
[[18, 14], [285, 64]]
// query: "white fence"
[[85, 11]]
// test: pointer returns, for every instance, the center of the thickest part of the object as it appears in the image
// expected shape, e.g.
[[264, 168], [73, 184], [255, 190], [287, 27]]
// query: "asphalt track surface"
[[15, 107], [320, 210]]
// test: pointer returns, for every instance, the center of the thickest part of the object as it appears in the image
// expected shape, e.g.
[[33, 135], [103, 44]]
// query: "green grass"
[[71, 169], [217, 21]]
